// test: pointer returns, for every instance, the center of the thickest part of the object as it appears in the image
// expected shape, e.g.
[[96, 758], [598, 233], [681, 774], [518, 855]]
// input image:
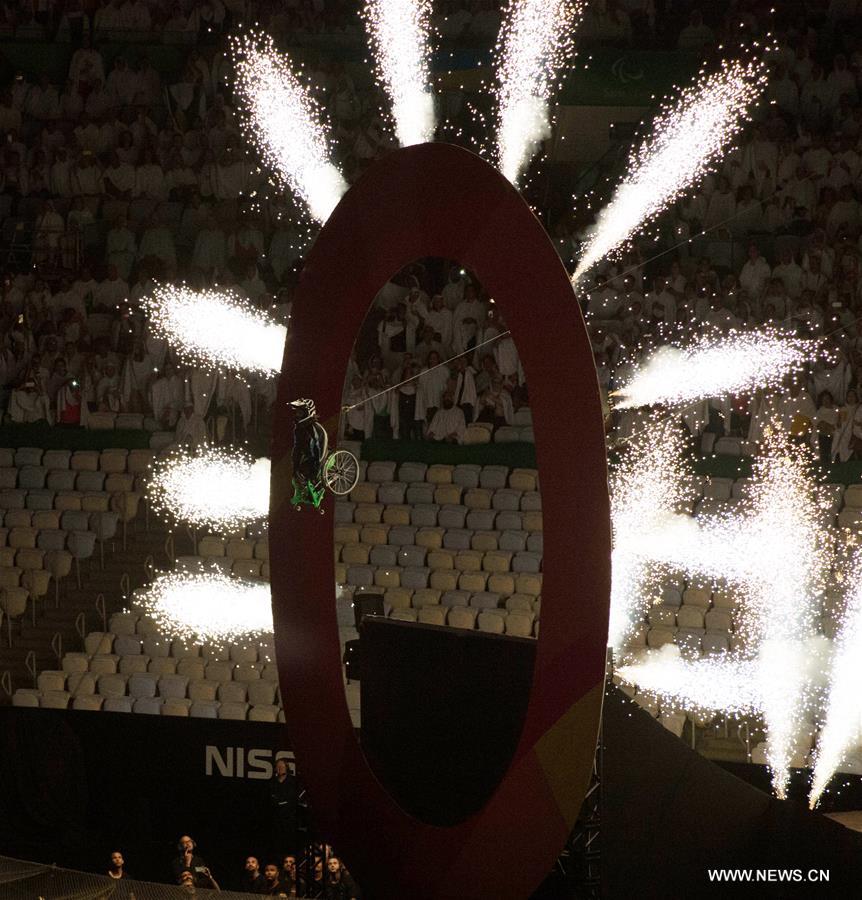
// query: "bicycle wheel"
[[341, 472]]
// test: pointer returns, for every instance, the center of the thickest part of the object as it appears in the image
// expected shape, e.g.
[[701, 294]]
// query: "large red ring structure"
[[441, 200]]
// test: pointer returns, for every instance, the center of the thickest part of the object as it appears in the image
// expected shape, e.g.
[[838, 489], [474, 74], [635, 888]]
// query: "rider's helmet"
[[303, 410]]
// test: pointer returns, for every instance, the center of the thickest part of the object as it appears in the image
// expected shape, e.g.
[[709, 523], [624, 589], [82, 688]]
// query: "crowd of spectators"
[[771, 238], [125, 174], [316, 873], [433, 356]]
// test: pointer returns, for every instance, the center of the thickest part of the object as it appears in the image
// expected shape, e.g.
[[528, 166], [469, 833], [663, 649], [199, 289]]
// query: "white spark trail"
[[709, 685], [217, 489], [687, 138], [286, 124], [216, 328], [842, 726], [536, 40], [399, 32], [208, 607], [775, 554], [715, 366]]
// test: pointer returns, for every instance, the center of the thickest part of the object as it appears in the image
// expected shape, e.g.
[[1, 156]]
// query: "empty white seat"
[[402, 534], [412, 471], [662, 615], [507, 434], [148, 706], [143, 684], [60, 480], [483, 519], [506, 499], [112, 685], [117, 704], [104, 663], [462, 617], [391, 493], [132, 665], [658, 637], [32, 477], [199, 689], [492, 622], [28, 456], [76, 662], [173, 685], [411, 557], [261, 692], [51, 680], [26, 697], [263, 713], [718, 620], [853, 496], [55, 700], [383, 555], [162, 665], [175, 706], [519, 623], [88, 702], [404, 615], [204, 709], [380, 471], [127, 644], [246, 672], [457, 539], [81, 684], [493, 477], [424, 514], [715, 642], [360, 576], [718, 488], [243, 654], [513, 541], [419, 493], [56, 459], [455, 598], [485, 600], [467, 475], [219, 671], [237, 711], [123, 623], [432, 615], [232, 692], [415, 577], [526, 561]]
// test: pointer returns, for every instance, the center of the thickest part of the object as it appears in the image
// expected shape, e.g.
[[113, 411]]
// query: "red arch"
[[441, 200]]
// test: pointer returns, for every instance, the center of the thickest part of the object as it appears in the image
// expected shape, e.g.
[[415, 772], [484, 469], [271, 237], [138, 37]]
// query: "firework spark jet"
[[842, 727], [687, 138], [216, 328], [218, 489], [535, 42], [715, 366], [399, 32], [775, 555], [208, 607], [285, 123]]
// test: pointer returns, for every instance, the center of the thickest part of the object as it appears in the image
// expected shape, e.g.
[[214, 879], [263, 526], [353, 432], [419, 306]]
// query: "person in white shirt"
[[191, 428], [448, 423], [755, 273]]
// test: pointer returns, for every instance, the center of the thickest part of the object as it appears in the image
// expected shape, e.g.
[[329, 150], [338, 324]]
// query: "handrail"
[[125, 586], [170, 550], [150, 568], [102, 610], [57, 641], [6, 683], [30, 663], [81, 625]]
